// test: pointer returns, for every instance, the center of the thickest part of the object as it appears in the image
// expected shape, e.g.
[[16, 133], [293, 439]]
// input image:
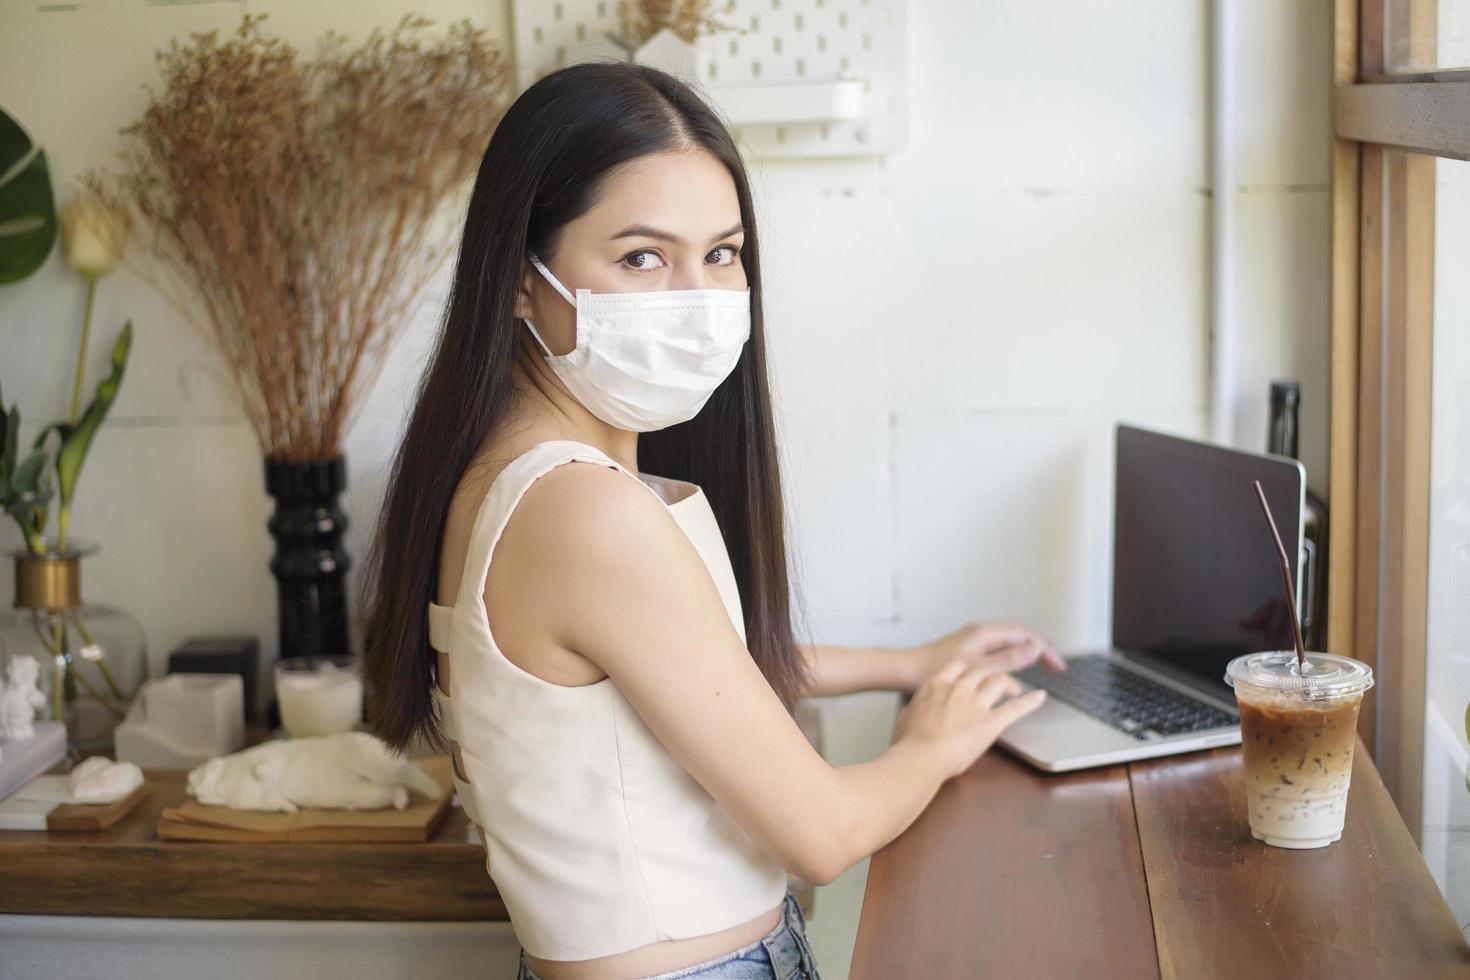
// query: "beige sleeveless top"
[[597, 839]]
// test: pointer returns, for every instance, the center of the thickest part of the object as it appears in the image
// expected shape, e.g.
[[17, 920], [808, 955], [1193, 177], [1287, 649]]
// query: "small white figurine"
[[20, 697], [350, 770], [98, 779]]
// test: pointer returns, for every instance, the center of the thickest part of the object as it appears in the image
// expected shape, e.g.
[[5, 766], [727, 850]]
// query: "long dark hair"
[[543, 168]]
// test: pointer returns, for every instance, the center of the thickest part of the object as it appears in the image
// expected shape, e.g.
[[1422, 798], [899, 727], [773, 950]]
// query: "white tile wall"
[[1283, 218], [1285, 239], [954, 329], [1284, 77], [1063, 94], [839, 572], [1072, 300]]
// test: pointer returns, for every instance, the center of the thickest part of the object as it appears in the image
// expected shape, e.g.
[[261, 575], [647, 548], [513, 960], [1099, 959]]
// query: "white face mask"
[[646, 360]]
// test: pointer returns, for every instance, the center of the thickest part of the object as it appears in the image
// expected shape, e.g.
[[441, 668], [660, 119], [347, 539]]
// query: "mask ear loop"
[[552, 279], [546, 273], [537, 335]]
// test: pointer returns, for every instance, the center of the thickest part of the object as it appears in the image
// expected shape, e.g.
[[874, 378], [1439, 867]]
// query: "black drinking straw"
[[1296, 625]]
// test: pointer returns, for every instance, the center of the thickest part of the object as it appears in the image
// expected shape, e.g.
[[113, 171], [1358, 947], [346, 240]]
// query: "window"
[[1401, 404]]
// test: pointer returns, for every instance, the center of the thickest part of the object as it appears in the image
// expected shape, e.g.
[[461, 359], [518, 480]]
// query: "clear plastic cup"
[[1297, 730]]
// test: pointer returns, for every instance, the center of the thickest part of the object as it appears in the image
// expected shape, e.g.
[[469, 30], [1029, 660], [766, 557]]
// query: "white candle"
[[323, 701]]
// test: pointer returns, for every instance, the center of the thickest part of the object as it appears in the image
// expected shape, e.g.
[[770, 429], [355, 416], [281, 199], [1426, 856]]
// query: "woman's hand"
[[989, 647], [954, 712]]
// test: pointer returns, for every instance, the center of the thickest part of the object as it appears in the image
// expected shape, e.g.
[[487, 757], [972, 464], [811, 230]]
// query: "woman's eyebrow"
[[647, 232]]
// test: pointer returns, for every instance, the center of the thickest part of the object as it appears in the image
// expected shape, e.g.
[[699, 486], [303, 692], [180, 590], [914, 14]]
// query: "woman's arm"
[[844, 670], [602, 569], [1000, 646]]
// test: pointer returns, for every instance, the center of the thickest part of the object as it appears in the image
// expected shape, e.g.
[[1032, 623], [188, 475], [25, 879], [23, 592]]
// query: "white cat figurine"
[[20, 697], [350, 770]]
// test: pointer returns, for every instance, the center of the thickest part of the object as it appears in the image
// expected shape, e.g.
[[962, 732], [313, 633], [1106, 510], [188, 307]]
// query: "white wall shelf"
[[799, 78], [788, 102]]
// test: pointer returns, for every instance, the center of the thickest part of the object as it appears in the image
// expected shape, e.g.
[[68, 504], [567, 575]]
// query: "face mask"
[[646, 360]]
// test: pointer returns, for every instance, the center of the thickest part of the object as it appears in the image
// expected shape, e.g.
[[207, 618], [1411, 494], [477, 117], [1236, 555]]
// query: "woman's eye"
[[636, 260], [638, 264], [733, 250]]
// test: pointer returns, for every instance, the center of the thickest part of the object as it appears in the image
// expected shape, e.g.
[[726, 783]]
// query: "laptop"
[[1196, 582]]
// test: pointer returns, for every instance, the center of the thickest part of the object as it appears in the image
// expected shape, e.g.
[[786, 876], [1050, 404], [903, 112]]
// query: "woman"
[[624, 738]]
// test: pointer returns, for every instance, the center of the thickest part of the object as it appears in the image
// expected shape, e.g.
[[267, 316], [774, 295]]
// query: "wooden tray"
[[192, 820], [94, 816]]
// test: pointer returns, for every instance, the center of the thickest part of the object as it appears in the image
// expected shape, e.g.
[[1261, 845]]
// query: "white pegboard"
[[797, 42]]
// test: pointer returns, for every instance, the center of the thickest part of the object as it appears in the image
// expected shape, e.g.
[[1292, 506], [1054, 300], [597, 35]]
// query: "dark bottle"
[[1282, 441]]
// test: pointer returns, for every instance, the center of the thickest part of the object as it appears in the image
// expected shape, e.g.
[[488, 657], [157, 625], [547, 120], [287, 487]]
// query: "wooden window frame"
[[1382, 338]]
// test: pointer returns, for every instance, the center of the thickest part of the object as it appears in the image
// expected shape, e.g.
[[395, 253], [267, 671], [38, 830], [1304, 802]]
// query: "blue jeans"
[[781, 954]]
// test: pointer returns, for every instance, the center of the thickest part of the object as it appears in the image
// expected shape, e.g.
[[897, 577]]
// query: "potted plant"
[[89, 647], [291, 202], [672, 35]]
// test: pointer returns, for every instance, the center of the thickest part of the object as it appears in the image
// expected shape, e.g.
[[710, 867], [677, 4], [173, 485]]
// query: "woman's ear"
[[523, 291]]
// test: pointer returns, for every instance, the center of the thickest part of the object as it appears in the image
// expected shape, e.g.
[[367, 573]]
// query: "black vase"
[[310, 564]]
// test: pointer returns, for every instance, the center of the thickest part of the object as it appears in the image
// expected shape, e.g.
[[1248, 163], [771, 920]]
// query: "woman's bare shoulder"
[[550, 570], [464, 506], [580, 507], [567, 510]]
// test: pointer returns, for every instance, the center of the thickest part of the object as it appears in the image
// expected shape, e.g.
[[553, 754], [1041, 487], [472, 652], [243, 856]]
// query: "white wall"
[[1446, 804], [958, 327], [955, 328]]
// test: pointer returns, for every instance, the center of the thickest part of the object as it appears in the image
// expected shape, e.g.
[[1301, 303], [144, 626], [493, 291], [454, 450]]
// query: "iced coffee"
[[1298, 728]]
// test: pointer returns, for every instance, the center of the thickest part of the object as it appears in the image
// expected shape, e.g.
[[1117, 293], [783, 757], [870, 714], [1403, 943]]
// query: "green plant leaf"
[[32, 472], [25, 495], [30, 477], [4, 440], [9, 432], [76, 441], [27, 208], [62, 429]]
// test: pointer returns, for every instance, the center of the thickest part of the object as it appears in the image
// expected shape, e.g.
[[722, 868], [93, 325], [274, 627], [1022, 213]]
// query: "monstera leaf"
[[27, 210]]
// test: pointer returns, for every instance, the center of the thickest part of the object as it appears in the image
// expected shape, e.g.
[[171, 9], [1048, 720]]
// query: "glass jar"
[[93, 657]]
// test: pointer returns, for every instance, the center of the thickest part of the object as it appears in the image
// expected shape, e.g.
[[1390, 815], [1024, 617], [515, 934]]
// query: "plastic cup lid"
[[1326, 674]]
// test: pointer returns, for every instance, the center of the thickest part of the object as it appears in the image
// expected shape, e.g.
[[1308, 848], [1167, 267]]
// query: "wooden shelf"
[[127, 870]]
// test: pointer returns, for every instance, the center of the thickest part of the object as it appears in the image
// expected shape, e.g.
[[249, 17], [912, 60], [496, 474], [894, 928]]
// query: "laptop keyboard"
[[1125, 699]]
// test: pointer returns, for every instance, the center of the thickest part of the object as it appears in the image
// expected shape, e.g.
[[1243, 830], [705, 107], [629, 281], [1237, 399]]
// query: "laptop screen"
[[1196, 576]]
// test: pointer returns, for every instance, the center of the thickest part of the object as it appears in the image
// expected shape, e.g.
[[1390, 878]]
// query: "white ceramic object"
[[27, 758], [350, 770], [179, 720], [671, 53], [20, 696], [95, 780]]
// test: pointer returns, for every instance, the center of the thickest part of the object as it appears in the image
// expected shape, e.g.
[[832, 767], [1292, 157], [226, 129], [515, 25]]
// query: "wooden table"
[[1146, 870]]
